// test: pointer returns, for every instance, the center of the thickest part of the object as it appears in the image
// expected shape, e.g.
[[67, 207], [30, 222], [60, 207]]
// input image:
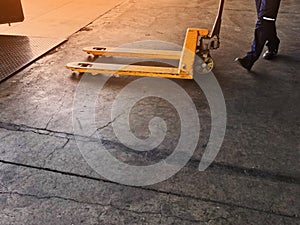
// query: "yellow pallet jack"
[[197, 42]]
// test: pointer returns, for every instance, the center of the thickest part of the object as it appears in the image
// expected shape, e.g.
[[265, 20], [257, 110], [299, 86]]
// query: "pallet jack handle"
[[215, 31]]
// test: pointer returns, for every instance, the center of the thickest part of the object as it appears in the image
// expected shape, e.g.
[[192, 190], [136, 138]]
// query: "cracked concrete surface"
[[44, 189], [255, 178]]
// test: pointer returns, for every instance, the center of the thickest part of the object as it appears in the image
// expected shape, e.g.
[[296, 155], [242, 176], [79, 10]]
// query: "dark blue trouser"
[[265, 29]]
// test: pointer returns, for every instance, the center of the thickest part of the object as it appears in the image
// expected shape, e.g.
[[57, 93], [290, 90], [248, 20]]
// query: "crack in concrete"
[[193, 163], [181, 195], [106, 125], [5, 136], [42, 131], [50, 155], [270, 209], [57, 111], [101, 205]]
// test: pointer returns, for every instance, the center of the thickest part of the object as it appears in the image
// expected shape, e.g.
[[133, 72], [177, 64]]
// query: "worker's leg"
[[259, 33], [260, 38], [257, 46], [269, 13], [264, 31], [273, 40]]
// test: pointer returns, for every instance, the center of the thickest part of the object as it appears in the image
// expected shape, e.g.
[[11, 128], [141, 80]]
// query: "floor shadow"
[[286, 59]]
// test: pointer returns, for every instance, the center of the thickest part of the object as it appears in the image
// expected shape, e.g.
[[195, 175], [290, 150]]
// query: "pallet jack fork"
[[197, 42]]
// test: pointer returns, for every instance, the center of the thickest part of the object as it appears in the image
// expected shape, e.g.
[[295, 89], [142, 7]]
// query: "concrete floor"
[[255, 177], [57, 18]]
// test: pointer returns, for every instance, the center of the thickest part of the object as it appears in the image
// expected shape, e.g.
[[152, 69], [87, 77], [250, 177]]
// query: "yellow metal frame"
[[186, 59], [133, 52], [199, 41]]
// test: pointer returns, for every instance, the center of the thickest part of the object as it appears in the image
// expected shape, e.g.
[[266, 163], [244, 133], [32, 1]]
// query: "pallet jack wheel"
[[209, 63]]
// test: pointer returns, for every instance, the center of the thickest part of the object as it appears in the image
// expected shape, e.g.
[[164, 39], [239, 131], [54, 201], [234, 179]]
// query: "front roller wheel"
[[207, 64]]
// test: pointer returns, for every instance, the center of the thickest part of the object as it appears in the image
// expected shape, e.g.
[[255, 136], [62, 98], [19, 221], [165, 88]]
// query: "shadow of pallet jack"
[[197, 42]]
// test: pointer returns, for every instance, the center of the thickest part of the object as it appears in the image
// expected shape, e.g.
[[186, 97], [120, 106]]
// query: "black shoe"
[[245, 62], [268, 55]]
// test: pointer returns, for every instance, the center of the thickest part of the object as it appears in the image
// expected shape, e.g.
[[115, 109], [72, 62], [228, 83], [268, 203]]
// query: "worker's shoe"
[[245, 62], [268, 55]]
